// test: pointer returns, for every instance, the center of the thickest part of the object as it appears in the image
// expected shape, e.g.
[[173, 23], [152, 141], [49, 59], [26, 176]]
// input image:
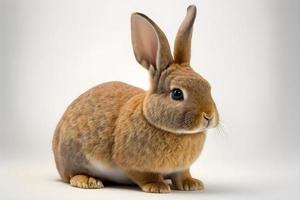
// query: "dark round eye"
[[177, 94]]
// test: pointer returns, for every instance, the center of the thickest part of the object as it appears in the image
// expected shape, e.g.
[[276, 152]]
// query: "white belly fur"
[[104, 172]]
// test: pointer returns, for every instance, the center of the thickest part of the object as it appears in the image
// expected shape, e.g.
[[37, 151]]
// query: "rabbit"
[[120, 133]]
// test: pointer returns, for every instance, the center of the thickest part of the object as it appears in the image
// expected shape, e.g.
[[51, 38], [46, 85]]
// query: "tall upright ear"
[[150, 45], [182, 48]]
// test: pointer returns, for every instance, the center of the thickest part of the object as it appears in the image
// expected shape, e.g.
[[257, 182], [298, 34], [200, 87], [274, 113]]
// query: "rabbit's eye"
[[177, 94]]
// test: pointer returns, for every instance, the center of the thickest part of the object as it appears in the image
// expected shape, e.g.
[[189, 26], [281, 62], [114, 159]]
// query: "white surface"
[[38, 179], [52, 51]]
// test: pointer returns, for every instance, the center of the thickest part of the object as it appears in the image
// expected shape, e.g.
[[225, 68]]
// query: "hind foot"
[[83, 181]]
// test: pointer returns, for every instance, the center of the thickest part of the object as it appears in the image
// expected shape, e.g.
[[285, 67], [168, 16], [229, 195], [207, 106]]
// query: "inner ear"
[[145, 41], [150, 45]]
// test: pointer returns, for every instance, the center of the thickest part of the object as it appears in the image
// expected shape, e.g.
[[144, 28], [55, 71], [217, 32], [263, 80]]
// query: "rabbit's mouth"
[[204, 124], [189, 126]]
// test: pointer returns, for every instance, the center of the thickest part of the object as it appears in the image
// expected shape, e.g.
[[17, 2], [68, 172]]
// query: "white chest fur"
[[101, 171]]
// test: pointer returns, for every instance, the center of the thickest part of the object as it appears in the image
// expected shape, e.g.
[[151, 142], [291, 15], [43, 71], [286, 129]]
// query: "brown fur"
[[125, 127]]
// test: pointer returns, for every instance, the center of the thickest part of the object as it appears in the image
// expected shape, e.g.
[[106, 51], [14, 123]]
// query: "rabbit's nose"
[[208, 118]]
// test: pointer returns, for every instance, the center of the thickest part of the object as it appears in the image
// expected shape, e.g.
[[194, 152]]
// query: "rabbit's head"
[[179, 100]]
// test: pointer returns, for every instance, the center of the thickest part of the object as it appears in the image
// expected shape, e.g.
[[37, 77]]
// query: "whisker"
[[221, 129]]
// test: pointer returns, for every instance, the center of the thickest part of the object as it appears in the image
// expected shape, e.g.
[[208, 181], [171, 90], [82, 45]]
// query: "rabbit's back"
[[85, 130]]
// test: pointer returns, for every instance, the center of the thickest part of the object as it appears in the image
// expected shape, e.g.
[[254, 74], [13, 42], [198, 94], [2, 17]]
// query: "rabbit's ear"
[[150, 45], [182, 48]]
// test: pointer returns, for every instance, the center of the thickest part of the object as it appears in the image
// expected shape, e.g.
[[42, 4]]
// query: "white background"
[[52, 51]]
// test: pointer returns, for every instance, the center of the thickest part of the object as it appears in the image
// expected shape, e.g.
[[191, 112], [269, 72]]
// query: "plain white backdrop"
[[52, 51]]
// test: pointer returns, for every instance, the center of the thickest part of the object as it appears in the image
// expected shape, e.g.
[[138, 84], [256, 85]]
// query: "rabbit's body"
[[98, 135], [124, 134], [85, 133]]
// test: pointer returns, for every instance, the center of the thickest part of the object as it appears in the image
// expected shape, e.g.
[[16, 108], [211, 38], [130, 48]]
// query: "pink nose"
[[208, 117]]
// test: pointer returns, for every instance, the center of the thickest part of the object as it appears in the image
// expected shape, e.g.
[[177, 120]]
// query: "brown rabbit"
[[121, 133]]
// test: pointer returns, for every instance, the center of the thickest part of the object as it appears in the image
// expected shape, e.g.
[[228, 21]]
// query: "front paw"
[[189, 184], [156, 187]]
